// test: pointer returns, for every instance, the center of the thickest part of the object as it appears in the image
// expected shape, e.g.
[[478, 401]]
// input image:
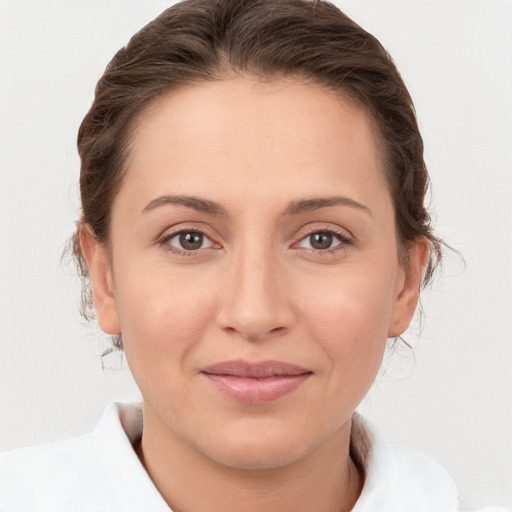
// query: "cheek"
[[352, 340], [349, 318], [162, 313], [355, 301]]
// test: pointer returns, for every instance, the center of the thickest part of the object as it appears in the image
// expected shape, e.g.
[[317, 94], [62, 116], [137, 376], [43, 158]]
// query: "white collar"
[[396, 479], [120, 426]]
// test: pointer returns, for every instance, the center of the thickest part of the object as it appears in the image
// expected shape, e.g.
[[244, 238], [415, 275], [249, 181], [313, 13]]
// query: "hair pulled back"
[[197, 41]]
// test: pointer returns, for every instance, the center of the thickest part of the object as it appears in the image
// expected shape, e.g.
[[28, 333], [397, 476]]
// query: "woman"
[[254, 231]]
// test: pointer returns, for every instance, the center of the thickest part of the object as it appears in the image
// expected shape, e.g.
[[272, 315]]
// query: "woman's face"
[[253, 268]]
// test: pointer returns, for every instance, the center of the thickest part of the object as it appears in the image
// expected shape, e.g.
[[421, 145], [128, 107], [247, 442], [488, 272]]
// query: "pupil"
[[321, 240], [191, 240]]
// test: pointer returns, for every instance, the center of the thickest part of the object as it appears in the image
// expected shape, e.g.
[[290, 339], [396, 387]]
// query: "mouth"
[[255, 383]]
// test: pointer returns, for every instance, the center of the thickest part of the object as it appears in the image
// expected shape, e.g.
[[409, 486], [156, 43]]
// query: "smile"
[[255, 383]]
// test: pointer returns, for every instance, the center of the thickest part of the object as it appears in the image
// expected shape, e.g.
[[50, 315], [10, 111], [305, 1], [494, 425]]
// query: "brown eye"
[[321, 240], [189, 241], [324, 240]]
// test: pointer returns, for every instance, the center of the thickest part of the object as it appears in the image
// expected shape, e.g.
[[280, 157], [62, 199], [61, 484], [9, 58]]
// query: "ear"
[[102, 282], [408, 287]]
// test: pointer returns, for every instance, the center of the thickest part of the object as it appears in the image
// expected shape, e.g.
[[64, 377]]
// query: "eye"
[[188, 241], [323, 241]]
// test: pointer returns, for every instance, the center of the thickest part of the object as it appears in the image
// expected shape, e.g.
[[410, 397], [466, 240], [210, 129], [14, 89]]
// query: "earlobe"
[[102, 282], [408, 288]]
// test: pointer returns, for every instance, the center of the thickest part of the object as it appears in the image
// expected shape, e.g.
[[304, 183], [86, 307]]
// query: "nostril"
[[255, 335]]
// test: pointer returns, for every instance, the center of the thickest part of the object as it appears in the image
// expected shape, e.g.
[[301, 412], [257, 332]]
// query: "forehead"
[[247, 133]]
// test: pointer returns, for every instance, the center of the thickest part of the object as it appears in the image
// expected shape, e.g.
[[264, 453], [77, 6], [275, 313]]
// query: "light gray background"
[[453, 402]]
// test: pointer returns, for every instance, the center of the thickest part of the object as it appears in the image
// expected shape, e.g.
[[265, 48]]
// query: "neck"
[[326, 480]]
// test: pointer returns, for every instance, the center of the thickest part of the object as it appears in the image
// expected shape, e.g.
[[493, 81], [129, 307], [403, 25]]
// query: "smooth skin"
[[255, 223]]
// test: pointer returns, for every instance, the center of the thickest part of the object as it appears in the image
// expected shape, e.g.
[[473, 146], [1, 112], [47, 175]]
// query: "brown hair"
[[197, 41]]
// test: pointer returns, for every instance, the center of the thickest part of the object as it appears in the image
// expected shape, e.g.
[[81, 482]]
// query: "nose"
[[256, 301]]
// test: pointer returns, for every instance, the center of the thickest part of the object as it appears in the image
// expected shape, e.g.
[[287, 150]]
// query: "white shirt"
[[100, 471]]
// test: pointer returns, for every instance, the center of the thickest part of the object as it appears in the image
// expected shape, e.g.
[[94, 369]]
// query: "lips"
[[255, 383]]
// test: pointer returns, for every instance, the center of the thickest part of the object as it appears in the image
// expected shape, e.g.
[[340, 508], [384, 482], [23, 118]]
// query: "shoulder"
[[98, 471], [40, 474], [400, 480], [492, 508]]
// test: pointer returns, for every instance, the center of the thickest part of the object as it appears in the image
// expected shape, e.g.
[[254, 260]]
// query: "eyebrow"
[[315, 203], [196, 203], [294, 208]]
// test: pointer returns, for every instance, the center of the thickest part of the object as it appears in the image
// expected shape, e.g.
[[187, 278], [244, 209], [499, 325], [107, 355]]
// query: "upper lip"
[[255, 370]]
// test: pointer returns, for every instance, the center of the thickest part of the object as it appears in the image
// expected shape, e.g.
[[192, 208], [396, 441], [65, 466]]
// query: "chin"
[[261, 450], [265, 457]]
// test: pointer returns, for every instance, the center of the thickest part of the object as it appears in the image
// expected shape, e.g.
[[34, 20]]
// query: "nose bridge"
[[255, 302]]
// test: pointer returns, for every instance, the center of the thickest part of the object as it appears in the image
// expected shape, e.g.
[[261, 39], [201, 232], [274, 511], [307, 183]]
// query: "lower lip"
[[256, 391]]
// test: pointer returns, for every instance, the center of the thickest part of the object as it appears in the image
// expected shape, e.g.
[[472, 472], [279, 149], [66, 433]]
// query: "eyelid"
[[311, 228], [185, 226], [344, 235], [171, 231]]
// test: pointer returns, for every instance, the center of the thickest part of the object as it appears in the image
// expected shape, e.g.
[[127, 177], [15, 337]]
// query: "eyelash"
[[344, 241], [165, 240]]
